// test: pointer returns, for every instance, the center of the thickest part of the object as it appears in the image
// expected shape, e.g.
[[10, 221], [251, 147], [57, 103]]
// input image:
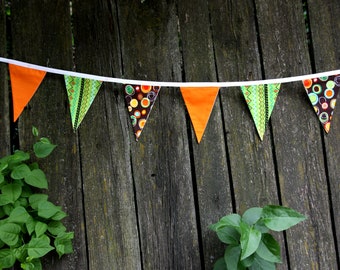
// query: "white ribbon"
[[168, 84]]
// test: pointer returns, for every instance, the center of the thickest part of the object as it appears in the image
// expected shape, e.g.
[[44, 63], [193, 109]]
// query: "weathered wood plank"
[[209, 157], [324, 26], [4, 92], [107, 177], [298, 146], [41, 34], [161, 158], [238, 58]]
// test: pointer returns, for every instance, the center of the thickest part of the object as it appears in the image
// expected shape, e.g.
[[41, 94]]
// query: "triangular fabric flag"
[[322, 93], [139, 100], [199, 102], [24, 82], [81, 93], [261, 101]]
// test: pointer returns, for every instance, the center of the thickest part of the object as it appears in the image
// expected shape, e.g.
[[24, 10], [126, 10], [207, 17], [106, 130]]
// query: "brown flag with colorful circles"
[[139, 100], [322, 93]]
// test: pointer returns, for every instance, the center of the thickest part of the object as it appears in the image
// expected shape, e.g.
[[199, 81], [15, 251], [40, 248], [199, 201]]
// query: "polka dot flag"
[[322, 93], [139, 100]]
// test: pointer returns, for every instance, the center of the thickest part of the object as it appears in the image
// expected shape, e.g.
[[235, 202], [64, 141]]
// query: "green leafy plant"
[[250, 245], [30, 225]]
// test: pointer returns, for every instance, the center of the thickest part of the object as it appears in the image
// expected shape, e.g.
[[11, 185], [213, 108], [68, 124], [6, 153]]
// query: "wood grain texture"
[[113, 241], [297, 136], [161, 159], [237, 58], [46, 40], [324, 29], [209, 157], [5, 125], [237, 55]]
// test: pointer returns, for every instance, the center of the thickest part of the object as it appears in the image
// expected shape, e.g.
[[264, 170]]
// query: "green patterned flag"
[[81, 93], [261, 100]]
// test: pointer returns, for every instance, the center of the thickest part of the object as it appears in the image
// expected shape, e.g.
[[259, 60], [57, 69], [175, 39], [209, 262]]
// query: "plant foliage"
[[30, 225], [250, 245]]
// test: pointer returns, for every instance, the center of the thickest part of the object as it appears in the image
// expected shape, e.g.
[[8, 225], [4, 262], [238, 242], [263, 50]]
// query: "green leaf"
[[279, 218], [56, 227], [34, 166], [4, 200], [18, 215], [35, 199], [59, 215], [220, 264], [11, 192], [45, 140], [3, 166], [26, 191], [40, 228], [63, 243], [2, 213], [35, 131], [250, 240], [232, 257], [228, 235], [269, 249], [247, 262], [38, 247], [20, 253], [20, 156], [7, 208], [32, 265], [20, 171], [7, 258], [45, 238], [15, 159], [27, 266], [9, 233], [232, 220], [261, 264], [260, 226], [37, 264], [252, 215], [37, 178], [30, 225], [22, 201], [47, 209], [43, 148], [2, 178]]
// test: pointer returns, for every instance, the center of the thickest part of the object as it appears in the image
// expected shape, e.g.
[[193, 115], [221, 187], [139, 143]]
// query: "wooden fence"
[[148, 204]]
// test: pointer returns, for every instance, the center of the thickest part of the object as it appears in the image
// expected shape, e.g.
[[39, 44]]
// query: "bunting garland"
[[81, 93], [322, 93], [261, 100], [199, 97]]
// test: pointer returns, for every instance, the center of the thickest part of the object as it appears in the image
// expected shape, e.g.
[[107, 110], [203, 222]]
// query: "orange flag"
[[199, 102], [24, 82]]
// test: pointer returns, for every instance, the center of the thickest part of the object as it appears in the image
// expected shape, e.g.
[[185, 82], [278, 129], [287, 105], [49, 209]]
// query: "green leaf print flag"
[[81, 93], [261, 100]]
